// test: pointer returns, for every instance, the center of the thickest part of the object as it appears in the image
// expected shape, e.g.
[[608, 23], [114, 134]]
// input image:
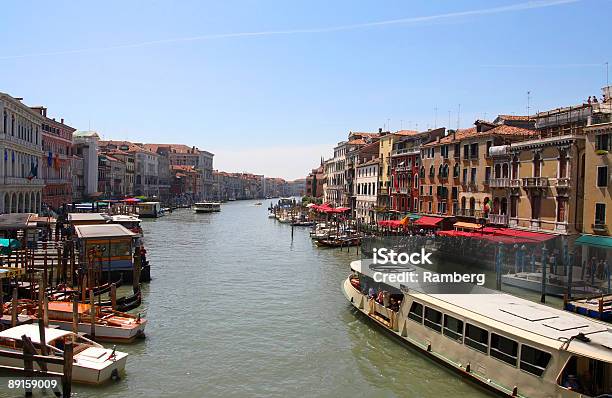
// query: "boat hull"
[[81, 371], [105, 333]]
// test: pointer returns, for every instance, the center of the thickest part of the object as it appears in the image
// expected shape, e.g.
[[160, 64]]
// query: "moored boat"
[[93, 364], [555, 285], [206, 207], [506, 344]]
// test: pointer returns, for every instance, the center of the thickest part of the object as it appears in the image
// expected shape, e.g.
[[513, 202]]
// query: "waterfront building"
[[56, 165], [314, 182], [129, 161], [367, 170], [146, 169], [335, 174], [405, 160], [185, 183], [456, 169], [184, 155], [111, 177], [85, 185], [597, 214], [356, 142], [21, 151]]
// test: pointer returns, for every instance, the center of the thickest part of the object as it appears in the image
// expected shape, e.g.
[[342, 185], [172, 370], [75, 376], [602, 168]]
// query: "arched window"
[[432, 171], [505, 170], [515, 167]]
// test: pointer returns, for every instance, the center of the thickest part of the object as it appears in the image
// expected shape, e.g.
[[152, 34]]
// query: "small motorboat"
[[206, 207], [257, 204], [93, 364]]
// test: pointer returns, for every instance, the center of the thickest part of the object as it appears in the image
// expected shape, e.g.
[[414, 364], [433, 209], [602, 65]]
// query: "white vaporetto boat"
[[506, 344], [93, 364], [206, 207]]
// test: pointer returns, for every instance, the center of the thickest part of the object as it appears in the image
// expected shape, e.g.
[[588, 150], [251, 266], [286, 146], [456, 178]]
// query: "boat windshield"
[[587, 376]]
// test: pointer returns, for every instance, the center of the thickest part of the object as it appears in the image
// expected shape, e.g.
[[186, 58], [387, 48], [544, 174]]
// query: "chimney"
[[62, 120], [380, 130]]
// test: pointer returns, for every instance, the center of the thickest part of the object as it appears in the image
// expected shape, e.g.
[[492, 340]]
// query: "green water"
[[238, 308]]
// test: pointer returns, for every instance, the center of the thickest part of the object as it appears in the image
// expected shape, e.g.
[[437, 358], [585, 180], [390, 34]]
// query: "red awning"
[[527, 236], [427, 221], [487, 236]]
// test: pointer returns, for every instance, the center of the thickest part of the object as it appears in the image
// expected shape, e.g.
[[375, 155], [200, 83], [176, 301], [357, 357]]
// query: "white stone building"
[[21, 151], [366, 190]]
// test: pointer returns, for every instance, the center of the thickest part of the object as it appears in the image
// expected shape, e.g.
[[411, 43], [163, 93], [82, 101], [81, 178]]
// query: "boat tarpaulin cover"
[[427, 221], [604, 242]]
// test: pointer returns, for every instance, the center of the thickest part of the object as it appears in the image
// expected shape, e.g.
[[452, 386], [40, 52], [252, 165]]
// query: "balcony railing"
[[498, 219], [22, 181], [562, 183], [535, 182], [600, 227], [499, 183], [515, 183]]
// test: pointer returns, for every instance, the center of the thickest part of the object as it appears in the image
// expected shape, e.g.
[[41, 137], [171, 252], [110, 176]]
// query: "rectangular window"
[[533, 360], [600, 213], [416, 312], [504, 349], [433, 319], [466, 152], [473, 175], [489, 145], [476, 337], [465, 176], [602, 176], [457, 151], [602, 142], [487, 174], [474, 151], [453, 328]]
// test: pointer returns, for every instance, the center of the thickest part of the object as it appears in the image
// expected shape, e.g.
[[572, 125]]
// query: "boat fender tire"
[[115, 375]]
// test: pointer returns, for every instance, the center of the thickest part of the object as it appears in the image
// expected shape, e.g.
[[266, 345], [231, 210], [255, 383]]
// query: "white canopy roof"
[[31, 331]]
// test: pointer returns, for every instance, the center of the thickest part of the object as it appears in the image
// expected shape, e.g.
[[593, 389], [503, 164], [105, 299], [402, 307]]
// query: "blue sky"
[[274, 101]]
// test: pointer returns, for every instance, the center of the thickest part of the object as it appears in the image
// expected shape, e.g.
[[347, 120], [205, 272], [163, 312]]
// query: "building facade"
[[366, 188], [21, 149], [56, 168], [85, 160]]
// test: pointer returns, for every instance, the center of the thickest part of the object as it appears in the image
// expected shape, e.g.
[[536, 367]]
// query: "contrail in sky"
[[530, 5], [542, 66]]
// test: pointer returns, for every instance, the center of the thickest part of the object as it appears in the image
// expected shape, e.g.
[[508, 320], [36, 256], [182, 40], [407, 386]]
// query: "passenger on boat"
[[371, 293], [571, 382]]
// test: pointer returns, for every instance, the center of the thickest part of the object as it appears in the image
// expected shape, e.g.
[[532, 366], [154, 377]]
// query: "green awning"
[[605, 242]]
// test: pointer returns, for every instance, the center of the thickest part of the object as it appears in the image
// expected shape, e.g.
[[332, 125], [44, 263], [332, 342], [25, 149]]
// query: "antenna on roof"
[[449, 120], [528, 102], [436, 116], [458, 116]]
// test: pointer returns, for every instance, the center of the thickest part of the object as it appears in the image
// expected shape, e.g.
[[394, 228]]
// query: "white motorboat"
[[93, 364], [556, 285], [508, 345], [206, 207]]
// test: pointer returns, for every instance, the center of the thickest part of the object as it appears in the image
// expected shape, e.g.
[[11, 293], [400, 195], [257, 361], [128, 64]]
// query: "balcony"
[[562, 183], [499, 183], [600, 227], [498, 219], [22, 181], [515, 183], [535, 182]]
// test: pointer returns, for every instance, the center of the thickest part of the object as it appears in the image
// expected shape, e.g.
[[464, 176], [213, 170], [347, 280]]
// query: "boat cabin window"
[[453, 328], [587, 376], [433, 319], [533, 360], [416, 312], [477, 338], [504, 349]]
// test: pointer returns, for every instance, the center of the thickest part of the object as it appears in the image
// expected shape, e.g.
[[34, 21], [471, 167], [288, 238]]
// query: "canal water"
[[239, 308]]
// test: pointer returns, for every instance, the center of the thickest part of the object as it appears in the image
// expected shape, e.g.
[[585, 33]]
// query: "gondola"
[[338, 242], [125, 303]]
